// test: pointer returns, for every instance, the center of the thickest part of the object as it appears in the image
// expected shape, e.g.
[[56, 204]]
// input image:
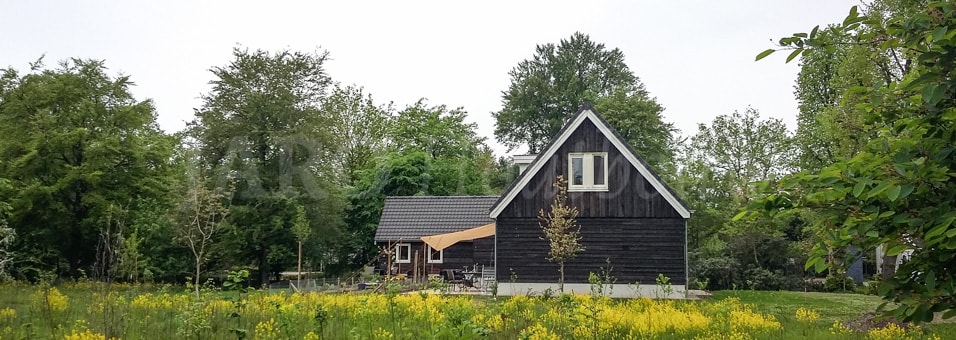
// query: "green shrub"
[[838, 283], [763, 279]]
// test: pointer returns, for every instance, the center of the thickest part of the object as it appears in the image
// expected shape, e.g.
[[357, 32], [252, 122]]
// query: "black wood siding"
[[459, 255], [629, 194], [638, 249], [631, 224]]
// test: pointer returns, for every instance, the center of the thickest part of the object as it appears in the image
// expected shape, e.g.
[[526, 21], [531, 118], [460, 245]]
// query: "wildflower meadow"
[[91, 311]]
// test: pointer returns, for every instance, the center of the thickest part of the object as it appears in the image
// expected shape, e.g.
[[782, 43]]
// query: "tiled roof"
[[411, 217]]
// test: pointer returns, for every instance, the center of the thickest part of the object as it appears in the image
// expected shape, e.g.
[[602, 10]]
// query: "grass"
[[87, 311], [831, 307]]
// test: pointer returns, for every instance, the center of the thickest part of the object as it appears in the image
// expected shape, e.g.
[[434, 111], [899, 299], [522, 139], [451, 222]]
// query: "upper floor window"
[[587, 171]]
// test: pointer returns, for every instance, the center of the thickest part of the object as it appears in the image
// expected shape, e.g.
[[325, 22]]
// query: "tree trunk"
[[889, 266], [198, 268], [263, 266], [561, 277], [298, 274]]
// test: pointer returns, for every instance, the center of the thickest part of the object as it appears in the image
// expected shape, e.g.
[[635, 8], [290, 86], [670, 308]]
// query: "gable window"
[[435, 256], [403, 253], [587, 171]]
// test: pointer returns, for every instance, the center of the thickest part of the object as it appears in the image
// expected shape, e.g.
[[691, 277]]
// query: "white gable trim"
[[619, 144]]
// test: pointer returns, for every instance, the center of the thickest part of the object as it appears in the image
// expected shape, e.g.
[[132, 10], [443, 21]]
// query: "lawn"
[[90, 311], [831, 307]]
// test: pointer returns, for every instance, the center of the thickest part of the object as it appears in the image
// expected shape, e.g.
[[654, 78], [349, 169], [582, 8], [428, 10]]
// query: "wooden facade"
[[631, 227], [460, 255]]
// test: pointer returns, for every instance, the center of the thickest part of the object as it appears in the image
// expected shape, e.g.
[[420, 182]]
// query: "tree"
[[7, 236], [721, 162], [75, 143], [262, 125], [828, 125], [742, 149], [637, 117], [202, 215], [546, 89], [457, 158], [360, 128], [561, 229], [432, 151], [302, 231], [900, 189]]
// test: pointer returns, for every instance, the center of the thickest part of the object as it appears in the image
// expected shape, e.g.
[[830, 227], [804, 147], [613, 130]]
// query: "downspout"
[[686, 260], [496, 252]]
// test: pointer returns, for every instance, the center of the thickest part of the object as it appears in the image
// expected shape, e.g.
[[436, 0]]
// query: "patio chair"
[[487, 278], [453, 277]]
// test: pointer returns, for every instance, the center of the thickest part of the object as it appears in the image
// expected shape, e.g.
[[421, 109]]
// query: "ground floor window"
[[435, 256], [403, 253]]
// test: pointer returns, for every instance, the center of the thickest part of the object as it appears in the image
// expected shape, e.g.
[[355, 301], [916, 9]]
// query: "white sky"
[[696, 57]]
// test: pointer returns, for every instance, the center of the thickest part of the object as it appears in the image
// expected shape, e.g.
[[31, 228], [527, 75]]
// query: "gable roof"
[[587, 112], [408, 218]]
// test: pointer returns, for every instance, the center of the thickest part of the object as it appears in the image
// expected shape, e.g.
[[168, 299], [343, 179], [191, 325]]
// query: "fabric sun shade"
[[442, 241]]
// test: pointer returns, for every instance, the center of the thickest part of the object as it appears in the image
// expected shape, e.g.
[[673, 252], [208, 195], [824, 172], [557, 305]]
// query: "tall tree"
[[261, 125], [900, 189], [76, 144], [742, 149], [360, 127], [721, 164], [433, 151], [546, 89], [828, 126], [458, 158]]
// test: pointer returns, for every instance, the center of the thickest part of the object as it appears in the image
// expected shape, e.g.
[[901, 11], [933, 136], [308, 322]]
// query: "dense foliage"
[[899, 191], [278, 155]]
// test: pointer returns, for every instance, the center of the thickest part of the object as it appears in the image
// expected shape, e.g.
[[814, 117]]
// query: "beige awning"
[[442, 241]]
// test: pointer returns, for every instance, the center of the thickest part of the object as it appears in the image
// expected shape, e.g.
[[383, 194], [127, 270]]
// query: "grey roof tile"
[[411, 217]]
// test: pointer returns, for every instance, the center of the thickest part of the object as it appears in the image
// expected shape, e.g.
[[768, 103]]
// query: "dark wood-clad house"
[[628, 216], [630, 220], [405, 220]]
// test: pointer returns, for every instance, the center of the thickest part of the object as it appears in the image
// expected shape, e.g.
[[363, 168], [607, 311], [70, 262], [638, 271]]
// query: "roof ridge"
[[436, 196]]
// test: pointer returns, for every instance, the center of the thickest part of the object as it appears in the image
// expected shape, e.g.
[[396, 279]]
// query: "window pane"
[[435, 255], [599, 170], [577, 171]]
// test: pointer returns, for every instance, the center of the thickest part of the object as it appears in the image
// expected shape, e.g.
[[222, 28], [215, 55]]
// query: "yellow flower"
[[8, 313], [267, 330], [891, 331], [538, 332], [839, 329], [311, 336], [381, 333], [807, 315], [85, 335], [52, 299]]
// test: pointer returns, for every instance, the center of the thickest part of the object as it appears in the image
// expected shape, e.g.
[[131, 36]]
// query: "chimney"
[[523, 161]]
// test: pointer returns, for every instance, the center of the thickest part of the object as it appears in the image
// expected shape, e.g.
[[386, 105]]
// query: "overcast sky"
[[696, 57]]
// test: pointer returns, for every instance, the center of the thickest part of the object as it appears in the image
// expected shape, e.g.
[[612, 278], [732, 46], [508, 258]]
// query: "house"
[[406, 220], [631, 222]]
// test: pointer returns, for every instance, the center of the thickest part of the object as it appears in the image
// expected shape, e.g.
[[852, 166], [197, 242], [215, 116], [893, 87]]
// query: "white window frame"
[[587, 171], [441, 255], [408, 253]]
